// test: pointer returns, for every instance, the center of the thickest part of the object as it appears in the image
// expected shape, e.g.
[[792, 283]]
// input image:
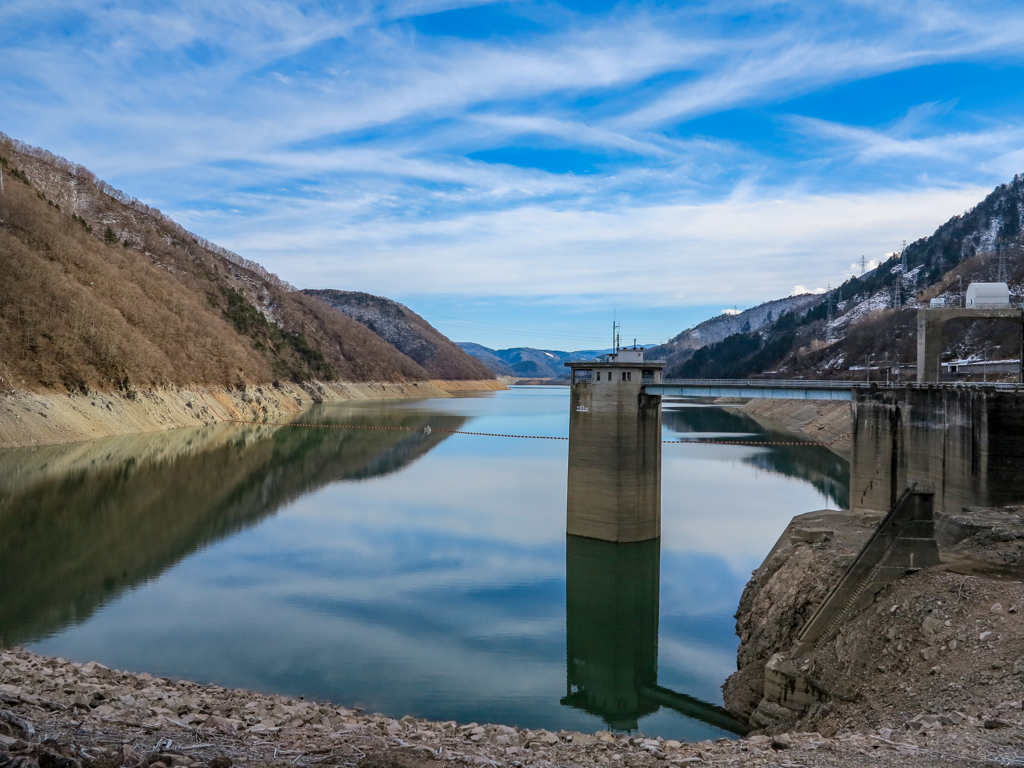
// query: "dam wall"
[[965, 443]]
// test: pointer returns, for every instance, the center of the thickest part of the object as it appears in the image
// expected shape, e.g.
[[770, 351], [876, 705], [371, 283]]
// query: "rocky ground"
[[826, 422], [55, 714], [49, 418], [938, 655]]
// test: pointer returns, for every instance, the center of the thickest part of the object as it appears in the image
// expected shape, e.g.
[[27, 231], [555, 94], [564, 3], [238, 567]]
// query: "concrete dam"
[[922, 454]]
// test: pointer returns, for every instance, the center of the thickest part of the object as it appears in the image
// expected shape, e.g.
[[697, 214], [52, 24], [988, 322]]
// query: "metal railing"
[[835, 384]]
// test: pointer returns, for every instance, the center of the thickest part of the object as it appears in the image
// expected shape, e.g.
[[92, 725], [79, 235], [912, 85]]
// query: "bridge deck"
[[794, 389]]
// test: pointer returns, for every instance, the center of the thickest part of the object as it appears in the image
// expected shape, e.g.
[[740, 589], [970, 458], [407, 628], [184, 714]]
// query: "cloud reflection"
[[439, 588]]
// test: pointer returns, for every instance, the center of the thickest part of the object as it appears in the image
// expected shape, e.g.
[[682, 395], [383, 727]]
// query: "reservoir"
[[404, 570]]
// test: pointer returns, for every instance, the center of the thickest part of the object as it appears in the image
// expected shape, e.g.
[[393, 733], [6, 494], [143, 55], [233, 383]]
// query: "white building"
[[988, 296]]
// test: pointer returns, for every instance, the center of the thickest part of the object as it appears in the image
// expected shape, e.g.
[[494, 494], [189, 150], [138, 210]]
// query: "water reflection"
[[84, 522], [404, 573], [825, 470], [611, 622]]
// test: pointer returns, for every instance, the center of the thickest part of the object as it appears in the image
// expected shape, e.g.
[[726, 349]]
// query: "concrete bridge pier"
[[930, 324]]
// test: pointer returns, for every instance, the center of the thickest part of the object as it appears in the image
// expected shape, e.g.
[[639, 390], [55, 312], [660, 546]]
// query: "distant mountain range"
[[527, 362]]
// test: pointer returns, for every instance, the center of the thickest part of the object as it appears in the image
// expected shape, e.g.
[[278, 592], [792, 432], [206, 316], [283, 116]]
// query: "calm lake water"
[[403, 572]]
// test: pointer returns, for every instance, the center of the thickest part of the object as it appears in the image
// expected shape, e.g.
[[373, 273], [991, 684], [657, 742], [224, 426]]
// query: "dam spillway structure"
[[614, 483]]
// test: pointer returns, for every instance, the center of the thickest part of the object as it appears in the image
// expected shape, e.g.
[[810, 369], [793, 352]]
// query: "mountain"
[[103, 292], [870, 320], [527, 362], [406, 331], [682, 347]]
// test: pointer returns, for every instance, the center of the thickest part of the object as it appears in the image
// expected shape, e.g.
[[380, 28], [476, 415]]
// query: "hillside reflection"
[[825, 470], [83, 523]]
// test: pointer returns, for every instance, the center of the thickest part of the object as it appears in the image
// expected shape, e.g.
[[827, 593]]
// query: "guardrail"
[[835, 384], [780, 383]]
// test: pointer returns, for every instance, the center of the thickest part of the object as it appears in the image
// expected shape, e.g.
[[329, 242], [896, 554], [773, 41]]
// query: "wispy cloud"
[[379, 145], [870, 144], [742, 249]]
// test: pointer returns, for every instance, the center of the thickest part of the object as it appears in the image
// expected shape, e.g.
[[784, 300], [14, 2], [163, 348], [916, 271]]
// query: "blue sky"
[[515, 171]]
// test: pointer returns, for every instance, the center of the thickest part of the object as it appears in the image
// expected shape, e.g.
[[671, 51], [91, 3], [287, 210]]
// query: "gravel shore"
[[57, 714]]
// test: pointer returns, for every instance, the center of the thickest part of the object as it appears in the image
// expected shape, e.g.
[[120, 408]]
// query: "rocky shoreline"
[[936, 651], [57, 714], [46, 418], [826, 422]]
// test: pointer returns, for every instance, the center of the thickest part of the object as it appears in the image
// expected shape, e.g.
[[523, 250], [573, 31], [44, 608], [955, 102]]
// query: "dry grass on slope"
[[102, 291], [356, 352], [408, 332], [76, 312]]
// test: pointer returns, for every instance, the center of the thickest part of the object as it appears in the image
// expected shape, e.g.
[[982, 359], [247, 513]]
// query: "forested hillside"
[[103, 292], [685, 345], [870, 320]]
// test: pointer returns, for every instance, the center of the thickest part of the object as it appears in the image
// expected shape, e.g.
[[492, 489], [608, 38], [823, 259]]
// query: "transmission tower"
[[1001, 276], [863, 264], [901, 281], [828, 303]]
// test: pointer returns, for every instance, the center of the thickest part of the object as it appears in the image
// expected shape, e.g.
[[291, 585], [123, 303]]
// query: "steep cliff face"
[[102, 292], [406, 331]]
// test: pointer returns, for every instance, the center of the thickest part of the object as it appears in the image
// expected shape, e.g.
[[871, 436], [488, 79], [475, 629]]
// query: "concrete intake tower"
[[614, 485]]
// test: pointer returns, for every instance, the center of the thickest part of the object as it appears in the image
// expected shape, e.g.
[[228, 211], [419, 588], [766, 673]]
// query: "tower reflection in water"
[[611, 626], [612, 608]]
